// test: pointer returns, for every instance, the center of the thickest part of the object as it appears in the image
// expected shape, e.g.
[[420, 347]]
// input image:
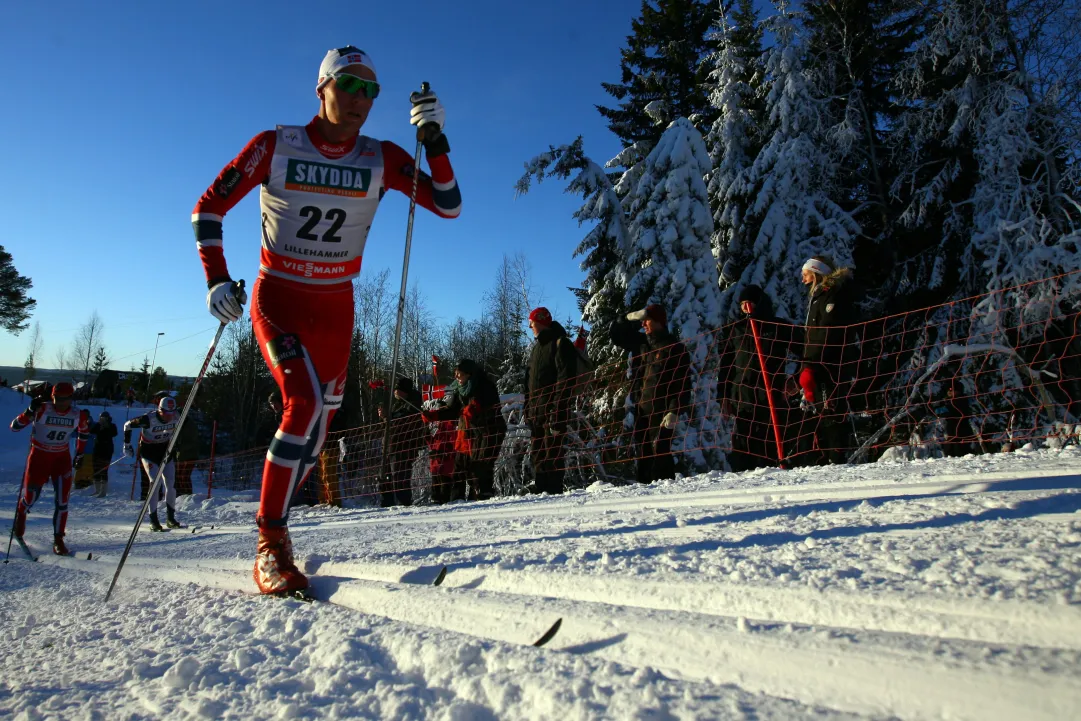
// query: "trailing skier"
[[156, 428], [54, 423]]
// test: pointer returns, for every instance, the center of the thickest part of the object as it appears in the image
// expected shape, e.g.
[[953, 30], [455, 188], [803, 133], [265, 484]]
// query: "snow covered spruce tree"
[[735, 136], [601, 248], [661, 66], [854, 50], [668, 261], [662, 78], [986, 141], [794, 215]]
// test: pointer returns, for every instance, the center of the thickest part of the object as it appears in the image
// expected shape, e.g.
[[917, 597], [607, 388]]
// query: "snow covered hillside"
[[922, 590]]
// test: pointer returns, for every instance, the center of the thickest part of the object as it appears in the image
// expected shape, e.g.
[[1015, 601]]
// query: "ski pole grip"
[[428, 131], [239, 293]]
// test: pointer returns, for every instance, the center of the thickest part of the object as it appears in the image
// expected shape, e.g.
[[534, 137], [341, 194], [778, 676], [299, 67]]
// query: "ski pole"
[[22, 491], [242, 298], [422, 135], [122, 457]]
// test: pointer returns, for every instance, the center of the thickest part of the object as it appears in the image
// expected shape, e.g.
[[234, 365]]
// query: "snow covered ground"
[[931, 589]]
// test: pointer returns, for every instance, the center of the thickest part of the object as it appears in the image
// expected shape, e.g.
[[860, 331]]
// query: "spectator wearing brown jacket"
[[660, 388]]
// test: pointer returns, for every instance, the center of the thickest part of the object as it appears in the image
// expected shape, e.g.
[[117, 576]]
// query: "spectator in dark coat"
[[104, 431], [660, 388], [474, 401], [827, 338], [742, 385], [406, 430], [549, 376]]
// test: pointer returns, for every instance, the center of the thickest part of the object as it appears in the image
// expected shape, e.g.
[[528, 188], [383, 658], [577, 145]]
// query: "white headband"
[[335, 60], [817, 266]]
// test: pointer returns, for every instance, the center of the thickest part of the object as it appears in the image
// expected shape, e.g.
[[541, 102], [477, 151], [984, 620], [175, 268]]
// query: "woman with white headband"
[[830, 310]]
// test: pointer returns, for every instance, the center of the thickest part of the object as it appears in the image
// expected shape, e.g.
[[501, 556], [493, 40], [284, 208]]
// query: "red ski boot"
[[58, 546], [275, 572]]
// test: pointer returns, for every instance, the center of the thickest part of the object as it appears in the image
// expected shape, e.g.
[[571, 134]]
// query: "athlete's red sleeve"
[[236, 180], [82, 432], [27, 417], [437, 192]]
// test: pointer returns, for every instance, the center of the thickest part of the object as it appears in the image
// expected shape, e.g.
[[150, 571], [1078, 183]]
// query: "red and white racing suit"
[[50, 459], [318, 202]]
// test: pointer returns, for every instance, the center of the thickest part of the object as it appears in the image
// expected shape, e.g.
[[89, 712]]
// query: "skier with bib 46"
[[320, 187], [50, 457]]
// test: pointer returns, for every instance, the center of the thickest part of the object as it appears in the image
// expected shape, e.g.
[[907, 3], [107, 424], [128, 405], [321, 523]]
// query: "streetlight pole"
[[146, 394]]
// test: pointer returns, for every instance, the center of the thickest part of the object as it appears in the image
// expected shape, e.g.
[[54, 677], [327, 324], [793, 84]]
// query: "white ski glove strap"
[[669, 421], [426, 109], [222, 302], [637, 315]]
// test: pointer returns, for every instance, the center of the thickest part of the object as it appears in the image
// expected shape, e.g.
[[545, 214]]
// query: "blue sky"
[[115, 120]]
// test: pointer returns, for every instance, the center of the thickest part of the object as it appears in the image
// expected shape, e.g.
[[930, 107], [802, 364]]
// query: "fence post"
[[210, 473], [769, 392]]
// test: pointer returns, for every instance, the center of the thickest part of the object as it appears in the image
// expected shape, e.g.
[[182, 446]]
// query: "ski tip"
[[442, 575], [304, 595], [549, 634]]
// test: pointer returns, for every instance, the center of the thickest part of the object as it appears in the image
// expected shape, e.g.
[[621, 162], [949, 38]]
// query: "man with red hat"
[[548, 391], [53, 425], [660, 388]]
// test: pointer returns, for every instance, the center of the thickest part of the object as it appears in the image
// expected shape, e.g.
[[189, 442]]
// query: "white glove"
[[427, 109], [637, 315], [129, 451], [669, 421], [222, 302]]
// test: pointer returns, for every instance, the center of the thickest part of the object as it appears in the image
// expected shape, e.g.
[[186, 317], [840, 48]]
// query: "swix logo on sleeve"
[[257, 155], [328, 179]]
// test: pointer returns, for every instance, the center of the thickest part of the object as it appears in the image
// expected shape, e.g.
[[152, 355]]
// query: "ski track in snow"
[[924, 590]]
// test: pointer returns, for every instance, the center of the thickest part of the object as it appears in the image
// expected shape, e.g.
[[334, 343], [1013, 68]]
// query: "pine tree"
[[669, 262], [794, 215], [602, 246], [15, 304], [661, 70], [734, 138], [854, 50], [101, 360], [512, 373], [985, 147]]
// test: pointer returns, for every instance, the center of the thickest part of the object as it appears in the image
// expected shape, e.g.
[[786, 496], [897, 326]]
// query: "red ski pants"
[[41, 467], [304, 333]]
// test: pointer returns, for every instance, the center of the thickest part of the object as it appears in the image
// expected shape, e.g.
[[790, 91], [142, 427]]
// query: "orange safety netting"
[[980, 375]]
